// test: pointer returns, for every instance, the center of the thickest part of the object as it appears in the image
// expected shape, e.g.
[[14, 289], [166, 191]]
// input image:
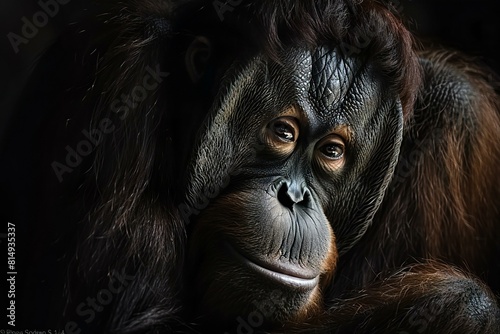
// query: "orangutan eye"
[[285, 129], [333, 151]]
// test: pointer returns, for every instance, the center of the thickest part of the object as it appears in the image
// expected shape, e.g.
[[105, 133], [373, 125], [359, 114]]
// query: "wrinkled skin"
[[283, 204]]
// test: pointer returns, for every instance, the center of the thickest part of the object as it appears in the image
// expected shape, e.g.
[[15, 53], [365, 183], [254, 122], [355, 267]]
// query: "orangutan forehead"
[[328, 83]]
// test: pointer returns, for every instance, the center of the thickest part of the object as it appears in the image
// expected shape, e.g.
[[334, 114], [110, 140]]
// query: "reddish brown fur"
[[380, 305]]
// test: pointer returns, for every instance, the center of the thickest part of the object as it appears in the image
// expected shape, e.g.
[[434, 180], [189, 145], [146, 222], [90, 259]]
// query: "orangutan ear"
[[197, 56]]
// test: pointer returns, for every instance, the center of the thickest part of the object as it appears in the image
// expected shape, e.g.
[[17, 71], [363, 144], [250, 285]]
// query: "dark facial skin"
[[289, 169]]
